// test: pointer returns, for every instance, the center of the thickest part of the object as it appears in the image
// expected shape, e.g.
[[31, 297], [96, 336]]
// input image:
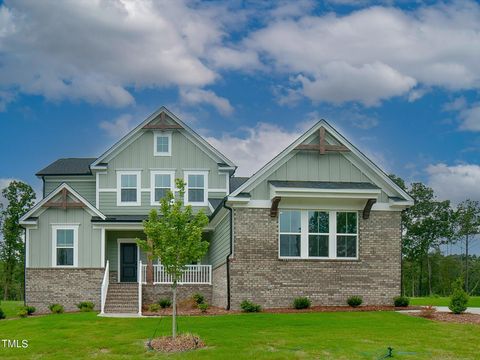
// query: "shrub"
[[198, 298], [2, 314], [30, 309], [459, 298], [401, 301], [203, 307], [153, 307], [164, 303], [86, 306], [23, 313], [302, 303], [56, 308], [248, 306], [354, 301], [427, 312]]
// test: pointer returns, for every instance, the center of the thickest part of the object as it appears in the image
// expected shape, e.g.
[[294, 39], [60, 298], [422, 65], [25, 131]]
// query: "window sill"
[[128, 204], [310, 259]]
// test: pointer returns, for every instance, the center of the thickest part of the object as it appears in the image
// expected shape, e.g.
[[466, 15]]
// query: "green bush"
[[164, 303], [56, 308], [203, 307], [153, 307], [301, 303], [30, 309], [401, 301], [198, 298], [23, 313], [354, 301], [459, 298], [2, 314], [86, 306], [248, 306]]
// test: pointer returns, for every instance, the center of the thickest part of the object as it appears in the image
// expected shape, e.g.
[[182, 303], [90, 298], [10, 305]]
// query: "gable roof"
[[324, 185], [276, 161], [191, 134], [68, 166], [236, 182], [39, 206]]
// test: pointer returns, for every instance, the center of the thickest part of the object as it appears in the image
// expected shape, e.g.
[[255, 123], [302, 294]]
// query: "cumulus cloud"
[[118, 126], [199, 96], [97, 50], [470, 118], [376, 53], [456, 183], [259, 145]]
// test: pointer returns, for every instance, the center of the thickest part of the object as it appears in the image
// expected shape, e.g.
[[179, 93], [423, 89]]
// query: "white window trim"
[[153, 173], [332, 238], [73, 227], [119, 188], [205, 190], [166, 134]]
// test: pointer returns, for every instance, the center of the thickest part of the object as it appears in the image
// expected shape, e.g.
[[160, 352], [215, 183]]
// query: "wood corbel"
[[274, 207], [368, 208]]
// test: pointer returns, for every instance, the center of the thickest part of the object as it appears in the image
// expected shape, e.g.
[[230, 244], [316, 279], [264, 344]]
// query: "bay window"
[[318, 234]]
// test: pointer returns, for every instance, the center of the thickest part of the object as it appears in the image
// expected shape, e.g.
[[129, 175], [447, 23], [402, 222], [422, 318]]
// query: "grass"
[[340, 335], [442, 301], [10, 308]]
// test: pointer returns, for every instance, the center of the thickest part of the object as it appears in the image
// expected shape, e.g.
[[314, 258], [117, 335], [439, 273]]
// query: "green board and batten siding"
[[219, 243], [84, 185], [40, 240], [111, 239]]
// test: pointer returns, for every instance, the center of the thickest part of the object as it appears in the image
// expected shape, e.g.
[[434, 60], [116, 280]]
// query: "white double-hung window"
[[161, 182], [162, 143], [196, 191], [128, 188], [64, 245], [318, 234]]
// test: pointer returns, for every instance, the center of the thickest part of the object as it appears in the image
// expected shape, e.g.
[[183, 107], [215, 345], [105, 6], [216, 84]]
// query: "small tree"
[[459, 298], [175, 238]]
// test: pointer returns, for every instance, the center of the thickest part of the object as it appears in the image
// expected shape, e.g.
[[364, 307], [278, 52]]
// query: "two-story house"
[[319, 220]]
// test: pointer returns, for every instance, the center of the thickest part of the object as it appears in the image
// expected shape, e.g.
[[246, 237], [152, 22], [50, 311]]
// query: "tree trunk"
[[429, 268], [466, 263], [174, 310], [420, 279]]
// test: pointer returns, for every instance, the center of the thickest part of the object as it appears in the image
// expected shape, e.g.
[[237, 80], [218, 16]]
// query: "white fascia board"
[[241, 199]]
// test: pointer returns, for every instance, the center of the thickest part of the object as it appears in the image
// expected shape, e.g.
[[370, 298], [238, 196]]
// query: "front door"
[[128, 262]]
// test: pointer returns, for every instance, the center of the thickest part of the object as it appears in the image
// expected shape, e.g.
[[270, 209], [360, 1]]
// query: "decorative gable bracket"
[[64, 203], [162, 124], [322, 147]]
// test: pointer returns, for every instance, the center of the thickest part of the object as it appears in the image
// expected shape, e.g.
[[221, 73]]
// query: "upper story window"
[[128, 188], [161, 182], [196, 191], [65, 240], [318, 234], [162, 144]]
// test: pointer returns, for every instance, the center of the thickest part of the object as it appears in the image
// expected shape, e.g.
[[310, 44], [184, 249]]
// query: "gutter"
[[230, 253]]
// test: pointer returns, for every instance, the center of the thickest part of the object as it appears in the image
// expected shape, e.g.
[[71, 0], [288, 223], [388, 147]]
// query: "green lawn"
[[442, 301], [10, 308], [340, 335]]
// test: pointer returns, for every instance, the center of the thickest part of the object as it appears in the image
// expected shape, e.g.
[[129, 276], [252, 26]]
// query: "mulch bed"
[[453, 318], [183, 342], [212, 310]]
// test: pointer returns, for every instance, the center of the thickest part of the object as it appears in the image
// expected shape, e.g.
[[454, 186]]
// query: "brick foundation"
[[152, 293], [219, 286], [68, 287], [258, 275]]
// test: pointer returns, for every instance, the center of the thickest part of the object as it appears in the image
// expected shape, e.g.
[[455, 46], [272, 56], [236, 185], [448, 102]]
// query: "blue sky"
[[400, 79]]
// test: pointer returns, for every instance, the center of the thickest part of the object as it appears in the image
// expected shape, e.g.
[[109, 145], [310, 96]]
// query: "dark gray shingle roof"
[[236, 182], [68, 166], [334, 185], [215, 203], [121, 218]]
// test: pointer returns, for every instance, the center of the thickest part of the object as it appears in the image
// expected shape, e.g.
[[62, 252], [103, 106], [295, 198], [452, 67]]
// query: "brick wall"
[[45, 286], [219, 286], [258, 275], [152, 293]]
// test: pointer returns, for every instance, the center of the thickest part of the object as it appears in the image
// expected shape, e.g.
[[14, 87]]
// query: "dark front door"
[[128, 262]]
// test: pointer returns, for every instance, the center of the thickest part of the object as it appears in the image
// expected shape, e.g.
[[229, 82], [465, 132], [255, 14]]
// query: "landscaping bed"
[[464, 318]]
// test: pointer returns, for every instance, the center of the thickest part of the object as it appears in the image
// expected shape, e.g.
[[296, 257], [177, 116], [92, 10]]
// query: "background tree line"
[[429, 226]]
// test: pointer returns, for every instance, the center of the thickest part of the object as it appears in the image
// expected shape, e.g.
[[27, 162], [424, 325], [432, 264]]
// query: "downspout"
[[230, 253], [25, 268]]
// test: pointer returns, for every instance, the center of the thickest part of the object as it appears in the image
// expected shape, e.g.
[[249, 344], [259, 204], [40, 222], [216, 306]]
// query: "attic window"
[[162, 144]]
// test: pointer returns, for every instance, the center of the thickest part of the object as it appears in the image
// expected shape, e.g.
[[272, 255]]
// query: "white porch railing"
[[139, 274], [193, 274], [105, 282]]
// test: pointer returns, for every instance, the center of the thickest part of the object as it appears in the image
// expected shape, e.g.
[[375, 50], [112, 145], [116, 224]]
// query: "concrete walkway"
[[119, 315], [470, 310]]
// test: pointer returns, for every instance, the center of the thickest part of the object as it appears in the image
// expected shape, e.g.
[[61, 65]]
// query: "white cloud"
[[456, 183], [376, 53], [470, 118], [3, 184], [199, 96], [260, 145], [97, 50], [119, 126]]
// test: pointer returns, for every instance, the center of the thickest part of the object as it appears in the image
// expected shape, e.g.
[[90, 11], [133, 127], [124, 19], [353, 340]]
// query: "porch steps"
[[122, 298]]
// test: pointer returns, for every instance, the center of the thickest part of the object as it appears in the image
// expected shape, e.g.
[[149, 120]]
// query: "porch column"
[[149, 266]]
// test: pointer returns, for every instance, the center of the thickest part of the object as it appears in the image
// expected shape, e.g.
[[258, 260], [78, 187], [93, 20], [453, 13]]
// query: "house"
[[319, 220]]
